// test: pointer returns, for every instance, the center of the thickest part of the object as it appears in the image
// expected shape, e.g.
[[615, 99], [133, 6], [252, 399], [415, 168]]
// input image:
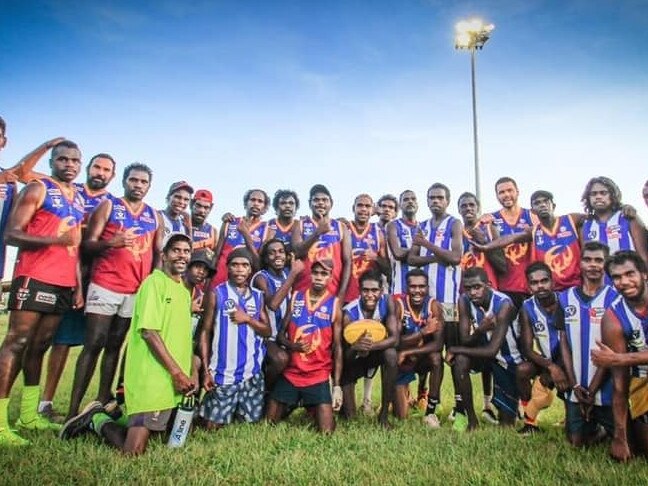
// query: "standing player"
[[606, 221], [203, 234], [248, 231], [400, 235], [387, 209], [45, 225], [174, 217], [542, 331], [312, 335], [488, 333], [159, 369], [421, 342], [285, 203], [100, 171], [589, 403], [319, 237], [232, 348], [511, 219], [363, 358], [625, 351], [121, 236]]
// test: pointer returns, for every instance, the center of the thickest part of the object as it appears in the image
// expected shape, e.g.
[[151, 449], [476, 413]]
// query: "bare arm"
[[393, 331], [638, 234], [221, 241], [503, 320], [346, 262], [337, 345], [207, 329], [504, 241], [496, 257], [92, 245], [394, 246]]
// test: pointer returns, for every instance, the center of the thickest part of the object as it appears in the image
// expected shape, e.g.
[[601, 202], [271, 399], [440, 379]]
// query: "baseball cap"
[[173, 237], [205, 195], [203, 256], [176, 186], [239, 253], [325, 263]]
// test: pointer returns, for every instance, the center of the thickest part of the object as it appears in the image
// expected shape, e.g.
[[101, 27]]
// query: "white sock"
[[43, 404], [487, 401], [368, 385]]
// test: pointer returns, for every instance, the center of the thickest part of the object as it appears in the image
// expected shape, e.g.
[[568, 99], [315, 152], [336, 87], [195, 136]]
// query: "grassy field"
[[291, 453]]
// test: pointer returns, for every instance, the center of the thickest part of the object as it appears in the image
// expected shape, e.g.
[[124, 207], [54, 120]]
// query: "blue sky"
[[364, 96]]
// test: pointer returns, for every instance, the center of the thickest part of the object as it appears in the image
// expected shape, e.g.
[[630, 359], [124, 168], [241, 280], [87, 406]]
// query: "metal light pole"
[[472, 35]]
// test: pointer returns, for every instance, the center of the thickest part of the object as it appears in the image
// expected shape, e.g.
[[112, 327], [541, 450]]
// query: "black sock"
[[431, 406], [459, 406]]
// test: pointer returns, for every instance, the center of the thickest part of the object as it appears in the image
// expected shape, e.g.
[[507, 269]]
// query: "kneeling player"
[[312, 331], [363, 358], [420, 345], [488, 335]]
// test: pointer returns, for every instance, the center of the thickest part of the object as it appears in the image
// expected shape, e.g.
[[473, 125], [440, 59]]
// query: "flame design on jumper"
[[516, 252], [559, 259], [315, 335]]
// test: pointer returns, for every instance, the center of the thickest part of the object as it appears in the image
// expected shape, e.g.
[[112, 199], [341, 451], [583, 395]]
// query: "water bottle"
[[182, 422]]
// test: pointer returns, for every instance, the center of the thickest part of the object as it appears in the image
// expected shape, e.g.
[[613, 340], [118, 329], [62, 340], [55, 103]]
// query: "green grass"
[[359, 452]]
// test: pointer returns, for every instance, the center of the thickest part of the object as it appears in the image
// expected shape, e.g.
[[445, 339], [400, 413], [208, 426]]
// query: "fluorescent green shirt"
[[163, 305]]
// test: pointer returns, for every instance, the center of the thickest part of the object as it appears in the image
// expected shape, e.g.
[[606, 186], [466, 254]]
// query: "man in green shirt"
[[159, 367]]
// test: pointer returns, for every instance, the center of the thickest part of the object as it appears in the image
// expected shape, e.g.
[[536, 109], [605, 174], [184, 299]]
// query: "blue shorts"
[[71, 330], [505, 391], [243, 400], [575, 421]]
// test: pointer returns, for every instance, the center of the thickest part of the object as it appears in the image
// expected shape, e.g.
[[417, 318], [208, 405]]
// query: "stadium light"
[[471, 35]]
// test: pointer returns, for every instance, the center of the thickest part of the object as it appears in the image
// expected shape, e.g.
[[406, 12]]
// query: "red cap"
[[205, 195], [325, 263]]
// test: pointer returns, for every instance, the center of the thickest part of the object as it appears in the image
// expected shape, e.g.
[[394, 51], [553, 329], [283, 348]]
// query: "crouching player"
[[362, 358], [312, 333]]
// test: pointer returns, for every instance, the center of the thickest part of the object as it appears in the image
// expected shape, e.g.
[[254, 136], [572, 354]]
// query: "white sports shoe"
[[432, 421]]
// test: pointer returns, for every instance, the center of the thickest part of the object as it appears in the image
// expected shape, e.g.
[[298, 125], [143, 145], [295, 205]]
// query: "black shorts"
[[356, 367], [289, 394], [28, 294]]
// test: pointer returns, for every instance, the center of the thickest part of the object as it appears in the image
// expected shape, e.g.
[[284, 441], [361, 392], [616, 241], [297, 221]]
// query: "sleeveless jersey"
[[354, 310], [404, 234], [53, 264], [635, 330], [583, 327], [123, 269], [237, 351], [558, 247], [234, 239], [282, 233], [615, 232], [273, 283], [517, 254], [91, 200], [203, 236], [327, 246], [176, 225], [411, 320], [472, 258], [543, 326], [369, 240], [315, 324], [508, 354], [197, 294], [444, 279], [7, 195]]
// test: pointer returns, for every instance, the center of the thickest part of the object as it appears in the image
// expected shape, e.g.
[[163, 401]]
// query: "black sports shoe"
[[81, 423], [529, 429]]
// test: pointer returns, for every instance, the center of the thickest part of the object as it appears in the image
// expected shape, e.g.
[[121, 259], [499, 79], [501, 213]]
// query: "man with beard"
[[319, 237], [121, 237], [238, 232], [625, 350], [232, 347], [589, 403], [488, 334], [285, 203], [387, 209], [362, 358], [203, 234], [100, 172], [312, 335], [542, 332], [45, 225], [159, 369], [607, 219], [400, 235], [276, 282], [174, 217]]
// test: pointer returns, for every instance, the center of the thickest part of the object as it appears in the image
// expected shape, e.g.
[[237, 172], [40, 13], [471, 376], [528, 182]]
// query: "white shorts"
[[105, 302]]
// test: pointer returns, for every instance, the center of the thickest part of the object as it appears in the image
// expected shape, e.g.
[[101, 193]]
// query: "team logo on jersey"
[[592, 235], [596, 314], [56, 202], [559, 259], [539, 326], [570, 311], [312, 335], [119, 214], [22, 294], [298, 307], [613, 231], [229, 306], [636, 341], [516, 252], [251, 308]]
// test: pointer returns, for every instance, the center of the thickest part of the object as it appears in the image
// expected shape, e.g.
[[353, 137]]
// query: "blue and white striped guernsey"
[[273, 282], [583, 327], [635, 330], [444, 279], [404, 233], [354, 310], [543, 326], [237, 351], [508, 354], [615, 232]]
